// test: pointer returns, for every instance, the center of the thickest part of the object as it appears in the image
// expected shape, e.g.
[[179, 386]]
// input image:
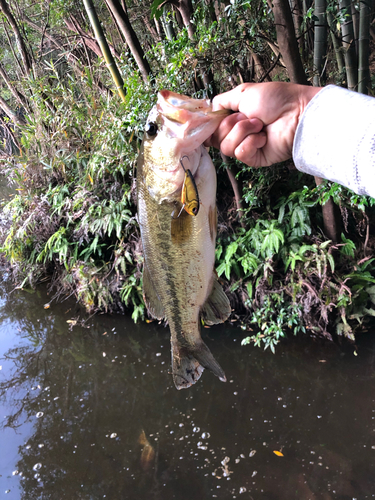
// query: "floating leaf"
[[278, 453]]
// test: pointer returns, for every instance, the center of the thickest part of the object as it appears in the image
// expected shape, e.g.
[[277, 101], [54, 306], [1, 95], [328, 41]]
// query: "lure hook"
[[182, 165]]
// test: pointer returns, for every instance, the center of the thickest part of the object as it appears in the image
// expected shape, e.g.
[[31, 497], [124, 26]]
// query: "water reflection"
[[100, 418]]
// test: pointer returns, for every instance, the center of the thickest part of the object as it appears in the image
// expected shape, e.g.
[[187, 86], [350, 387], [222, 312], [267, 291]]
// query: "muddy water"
[[90, 412]]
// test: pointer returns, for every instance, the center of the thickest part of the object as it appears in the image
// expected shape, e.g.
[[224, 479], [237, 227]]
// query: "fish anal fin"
[[217, 306], [188, 365], [150, 296]]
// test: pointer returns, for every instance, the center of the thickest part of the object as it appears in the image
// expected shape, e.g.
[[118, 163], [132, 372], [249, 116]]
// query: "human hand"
[[261, 131]]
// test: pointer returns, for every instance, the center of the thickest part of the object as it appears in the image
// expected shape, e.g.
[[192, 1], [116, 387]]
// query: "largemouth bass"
[[179, 280]]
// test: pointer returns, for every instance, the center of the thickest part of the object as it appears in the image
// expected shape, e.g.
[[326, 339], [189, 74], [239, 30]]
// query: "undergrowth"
[[73, 219], [284, 275]]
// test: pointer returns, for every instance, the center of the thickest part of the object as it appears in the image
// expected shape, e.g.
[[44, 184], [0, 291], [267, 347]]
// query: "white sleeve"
[[335, 139]]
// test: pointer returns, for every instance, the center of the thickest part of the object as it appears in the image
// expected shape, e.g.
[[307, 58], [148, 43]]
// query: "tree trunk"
[[153, 32], [349, 45], [297, 21], [211, 10], [236, 186], [287, 41], [99, 34], [331, 217], [320, 43], [186, 10], [24, 53], [289, 49], [329, 210], [130, 37], [364, 78]]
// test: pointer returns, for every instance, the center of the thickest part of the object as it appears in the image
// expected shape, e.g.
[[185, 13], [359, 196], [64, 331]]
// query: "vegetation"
[[69, 144]]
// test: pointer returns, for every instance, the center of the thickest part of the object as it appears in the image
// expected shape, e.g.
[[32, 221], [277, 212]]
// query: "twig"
[[43, 32], [270, 68], [367, 232]]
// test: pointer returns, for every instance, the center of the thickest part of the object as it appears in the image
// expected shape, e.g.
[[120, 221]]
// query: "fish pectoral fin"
[[188, 365], [217, 307], [150, 296]]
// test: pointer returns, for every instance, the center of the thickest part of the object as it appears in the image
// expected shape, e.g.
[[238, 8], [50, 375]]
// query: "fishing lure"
[[189, 193]]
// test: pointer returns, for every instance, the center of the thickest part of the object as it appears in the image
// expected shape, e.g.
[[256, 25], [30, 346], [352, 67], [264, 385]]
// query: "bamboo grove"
[[77, 79]]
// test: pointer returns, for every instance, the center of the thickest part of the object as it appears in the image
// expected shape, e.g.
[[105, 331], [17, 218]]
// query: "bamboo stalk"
[[167, 25], [348, 43], [320, 42], [364, 47], [99, 35], [336, 44]]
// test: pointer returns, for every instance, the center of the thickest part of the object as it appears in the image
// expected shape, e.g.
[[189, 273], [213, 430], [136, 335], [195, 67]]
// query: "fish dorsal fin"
[[151, 298], [217, 307]]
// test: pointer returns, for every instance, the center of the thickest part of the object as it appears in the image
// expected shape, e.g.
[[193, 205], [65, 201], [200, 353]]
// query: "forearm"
[[335, 139]]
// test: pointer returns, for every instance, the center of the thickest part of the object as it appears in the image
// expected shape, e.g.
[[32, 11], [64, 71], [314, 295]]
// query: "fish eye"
[[151, 128], [195, 210]]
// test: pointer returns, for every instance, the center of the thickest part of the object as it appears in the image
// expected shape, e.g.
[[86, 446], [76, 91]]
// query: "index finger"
[[231, 99]]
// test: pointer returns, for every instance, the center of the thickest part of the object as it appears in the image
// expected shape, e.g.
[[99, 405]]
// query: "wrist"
[[306, 93]]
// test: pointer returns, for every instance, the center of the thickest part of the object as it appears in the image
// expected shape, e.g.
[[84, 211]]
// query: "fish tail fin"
[[188, 364]]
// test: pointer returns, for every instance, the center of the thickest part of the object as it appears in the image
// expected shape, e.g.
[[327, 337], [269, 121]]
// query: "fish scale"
[[179, 282]]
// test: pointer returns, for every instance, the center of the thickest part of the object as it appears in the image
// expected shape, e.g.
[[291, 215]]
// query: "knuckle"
[[226, 149], [243, 127]]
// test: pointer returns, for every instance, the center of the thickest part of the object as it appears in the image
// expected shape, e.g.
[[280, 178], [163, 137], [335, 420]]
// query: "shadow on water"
[[91, 412]]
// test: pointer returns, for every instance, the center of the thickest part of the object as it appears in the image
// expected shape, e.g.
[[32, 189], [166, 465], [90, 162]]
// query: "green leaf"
[[331, 261], [231, 250], [156, 11], [221, 268]]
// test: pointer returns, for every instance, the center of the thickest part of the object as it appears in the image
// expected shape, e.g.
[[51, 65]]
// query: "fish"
[[148, 452], [180, 284]]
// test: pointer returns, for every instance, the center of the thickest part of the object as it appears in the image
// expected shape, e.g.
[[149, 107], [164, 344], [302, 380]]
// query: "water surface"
[[89, 411]]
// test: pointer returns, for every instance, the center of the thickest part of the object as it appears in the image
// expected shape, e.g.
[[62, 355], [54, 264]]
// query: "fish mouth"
[[179, 108], [184, 102]]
